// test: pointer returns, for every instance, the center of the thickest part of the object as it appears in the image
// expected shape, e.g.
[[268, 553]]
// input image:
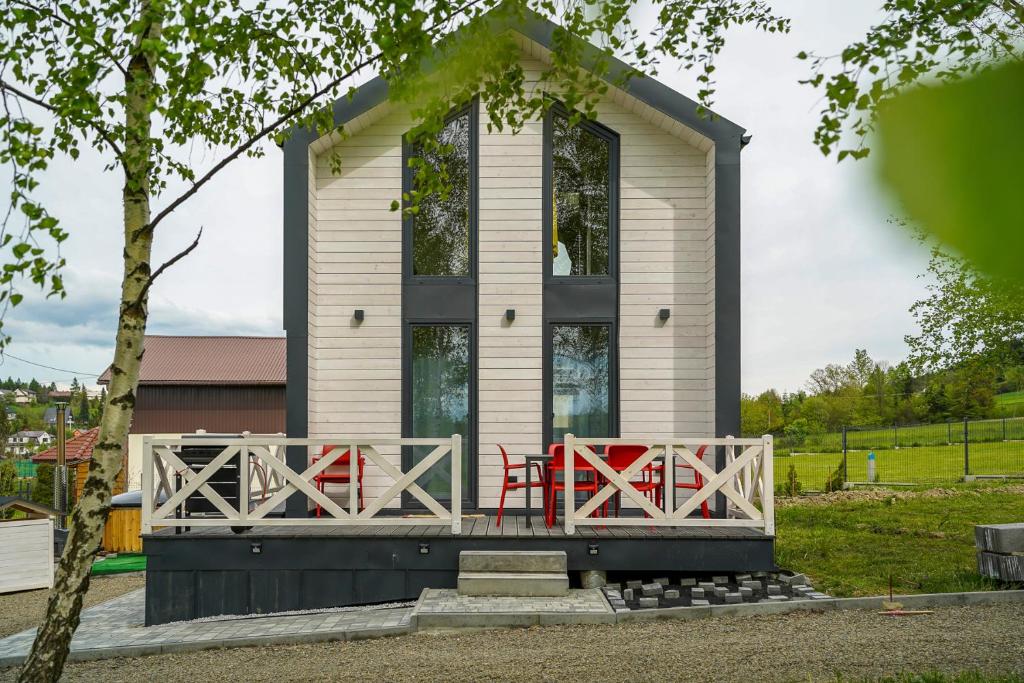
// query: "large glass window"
[[441, 226], [581, 359], [441, 375], [581, 188]]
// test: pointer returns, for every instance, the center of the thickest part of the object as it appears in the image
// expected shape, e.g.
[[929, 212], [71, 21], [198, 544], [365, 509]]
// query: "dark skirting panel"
[[207, 572]]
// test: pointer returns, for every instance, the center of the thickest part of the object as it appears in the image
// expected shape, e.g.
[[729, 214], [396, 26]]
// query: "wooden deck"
[[477, 527]]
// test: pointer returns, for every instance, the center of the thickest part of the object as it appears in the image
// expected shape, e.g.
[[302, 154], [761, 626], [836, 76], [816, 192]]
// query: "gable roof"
[[210, 361], [27, 506], [77, 449], [540, 30]]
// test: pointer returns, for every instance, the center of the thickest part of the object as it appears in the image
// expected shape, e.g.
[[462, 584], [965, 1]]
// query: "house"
[[217, 384], [77, 454], [11, 413], [581, 286], [50, 416], [22, 397], [27, 441]]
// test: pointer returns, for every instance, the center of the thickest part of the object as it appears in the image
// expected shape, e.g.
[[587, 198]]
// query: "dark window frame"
[[408, 176], [443, 300], [614, 183], [580, 299]]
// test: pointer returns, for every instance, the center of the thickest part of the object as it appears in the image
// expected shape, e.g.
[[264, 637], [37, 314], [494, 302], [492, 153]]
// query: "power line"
[[50, 367]]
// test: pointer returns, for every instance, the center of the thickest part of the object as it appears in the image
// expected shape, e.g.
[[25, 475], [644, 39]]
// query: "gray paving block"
[[512, 561], [627, 594], [793, 579], [774, 589], [746, 592], [706, 585], [778, 598], [687, 582], [720, 580], [635, 585], [663, 581], [733, 598], [1001, 567], [696, 592], [513, 584], [751, 584], [672, 594], [1000, 538], [720, 591], [699, 603], [740, 578], [652, 589], [648, 602]]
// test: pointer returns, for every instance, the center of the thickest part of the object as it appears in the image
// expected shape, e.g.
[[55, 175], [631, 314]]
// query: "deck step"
[[512, 561], [514, 584]]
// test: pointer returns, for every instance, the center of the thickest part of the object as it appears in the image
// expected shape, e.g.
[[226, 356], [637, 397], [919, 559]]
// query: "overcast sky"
[[822, 271]]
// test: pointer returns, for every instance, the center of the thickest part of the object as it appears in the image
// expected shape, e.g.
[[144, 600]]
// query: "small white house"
[[27, 441]]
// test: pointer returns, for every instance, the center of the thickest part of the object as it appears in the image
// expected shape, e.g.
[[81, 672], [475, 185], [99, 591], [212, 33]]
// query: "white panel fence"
[[266, 481]]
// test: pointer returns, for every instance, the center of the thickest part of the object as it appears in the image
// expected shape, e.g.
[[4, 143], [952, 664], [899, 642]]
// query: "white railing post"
[[456, 456], [244, 484], [768, 483], [569, 460], [730, 456], [353, 479], [147, 484]]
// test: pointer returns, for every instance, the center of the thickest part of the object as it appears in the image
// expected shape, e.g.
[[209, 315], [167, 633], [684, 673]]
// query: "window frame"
[[408, 244], [547, 183]]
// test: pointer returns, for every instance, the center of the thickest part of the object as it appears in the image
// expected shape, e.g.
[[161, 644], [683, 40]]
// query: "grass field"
[[924, 539], [924, 464], [1013, 400]]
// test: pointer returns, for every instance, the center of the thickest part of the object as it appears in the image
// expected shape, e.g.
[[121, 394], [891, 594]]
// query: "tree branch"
[[167, 264], [273, 126], [21, 94]]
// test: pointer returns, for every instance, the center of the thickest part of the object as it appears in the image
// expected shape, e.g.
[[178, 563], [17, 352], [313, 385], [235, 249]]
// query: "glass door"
[[580, 380], [440, 401]]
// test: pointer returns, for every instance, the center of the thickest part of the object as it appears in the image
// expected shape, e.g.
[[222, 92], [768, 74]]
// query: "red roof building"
[[78, 449]]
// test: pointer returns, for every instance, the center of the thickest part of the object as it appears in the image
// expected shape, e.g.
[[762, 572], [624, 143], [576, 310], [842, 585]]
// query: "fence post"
[[949, 432], [1004, 429], [569, 475], [456, 471], [147, 485], [967, 450], [768, 483], [844, 455], [895, 437]]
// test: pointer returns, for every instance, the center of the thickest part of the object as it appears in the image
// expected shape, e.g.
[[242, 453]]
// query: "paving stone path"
[[444, 607], [115, 628]]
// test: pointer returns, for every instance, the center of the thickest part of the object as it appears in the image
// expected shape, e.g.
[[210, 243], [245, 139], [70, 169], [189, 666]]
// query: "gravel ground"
[[799, 646], [19, 611]]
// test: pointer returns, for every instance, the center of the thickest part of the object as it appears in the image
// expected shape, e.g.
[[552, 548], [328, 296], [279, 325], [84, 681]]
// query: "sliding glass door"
[[441, 372], [580, 380]]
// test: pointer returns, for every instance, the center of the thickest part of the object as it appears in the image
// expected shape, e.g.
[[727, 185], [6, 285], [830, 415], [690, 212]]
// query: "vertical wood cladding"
[[186, 408]]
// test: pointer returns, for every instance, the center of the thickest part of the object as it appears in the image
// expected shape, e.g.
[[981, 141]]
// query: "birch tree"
[[143, 82]]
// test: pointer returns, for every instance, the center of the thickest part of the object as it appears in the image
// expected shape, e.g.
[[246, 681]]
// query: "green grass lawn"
[[924, 541], [924, 464], [1013, 399]]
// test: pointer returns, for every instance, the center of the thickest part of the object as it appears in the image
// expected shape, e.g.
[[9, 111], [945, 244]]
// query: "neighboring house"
[[50, 416], [578, 280], [27, 441], [22, 397], [218, 384], [77, 454], [11, 414]]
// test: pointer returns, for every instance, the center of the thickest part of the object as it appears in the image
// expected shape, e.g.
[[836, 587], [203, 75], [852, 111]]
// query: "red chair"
[[620, 458], [556, 465], [507, 485], [696, 484], [339, 477]]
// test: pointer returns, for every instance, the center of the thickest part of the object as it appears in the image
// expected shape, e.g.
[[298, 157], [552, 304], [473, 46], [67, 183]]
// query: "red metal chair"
[[339, 477], [696, 484], [507, 485], [620, 458], [556, 465]]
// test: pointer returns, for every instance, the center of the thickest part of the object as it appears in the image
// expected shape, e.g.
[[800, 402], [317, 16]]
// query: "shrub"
[[42, 489], [791, 487], [835, 480], [8, 483]]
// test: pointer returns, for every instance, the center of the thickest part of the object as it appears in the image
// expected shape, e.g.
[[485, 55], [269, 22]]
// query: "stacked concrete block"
[[1000, 551]]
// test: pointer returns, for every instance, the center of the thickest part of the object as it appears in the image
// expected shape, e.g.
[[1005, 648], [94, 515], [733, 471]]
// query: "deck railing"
[[265, 481], [746, 483]]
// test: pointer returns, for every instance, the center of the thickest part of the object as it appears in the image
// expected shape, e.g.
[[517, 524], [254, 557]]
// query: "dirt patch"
[[880, 494], [798, 646], [19, 611]]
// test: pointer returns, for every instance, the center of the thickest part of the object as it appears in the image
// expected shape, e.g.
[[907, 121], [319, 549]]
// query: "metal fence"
[[25, 468], [904, 454]]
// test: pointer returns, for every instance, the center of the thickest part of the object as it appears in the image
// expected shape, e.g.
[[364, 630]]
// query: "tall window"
[[441, 227], [581, 188], [581, 358]]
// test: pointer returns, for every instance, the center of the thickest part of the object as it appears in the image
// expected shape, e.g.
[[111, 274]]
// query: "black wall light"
[[358, 315], [663, 314], [510, 314], [592, 548], [424, 548]]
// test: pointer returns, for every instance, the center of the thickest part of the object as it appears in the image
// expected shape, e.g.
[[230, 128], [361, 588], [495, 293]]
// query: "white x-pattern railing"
[[266, 481], [746, 482]]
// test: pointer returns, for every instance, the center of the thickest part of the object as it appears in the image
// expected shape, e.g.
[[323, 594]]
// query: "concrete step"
[[514, 584], [512, 561], [1000, 538]]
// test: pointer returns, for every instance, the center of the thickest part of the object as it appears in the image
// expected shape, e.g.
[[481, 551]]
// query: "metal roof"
[[210, 361]]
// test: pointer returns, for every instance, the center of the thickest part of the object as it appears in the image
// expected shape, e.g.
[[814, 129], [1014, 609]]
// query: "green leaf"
[[952, 154]]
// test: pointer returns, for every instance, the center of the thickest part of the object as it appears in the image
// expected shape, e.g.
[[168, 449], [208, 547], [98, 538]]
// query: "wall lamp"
[[592, 548], [510, 314], [359, 315], [424, 547], [663, 314]]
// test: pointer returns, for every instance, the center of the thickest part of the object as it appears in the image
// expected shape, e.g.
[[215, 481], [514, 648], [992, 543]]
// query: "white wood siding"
[[26, 561], [666, 261]]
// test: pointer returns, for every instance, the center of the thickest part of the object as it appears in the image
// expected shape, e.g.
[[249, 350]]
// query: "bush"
[[791, 487], [836, 480], [8, 483], [42, 488]]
